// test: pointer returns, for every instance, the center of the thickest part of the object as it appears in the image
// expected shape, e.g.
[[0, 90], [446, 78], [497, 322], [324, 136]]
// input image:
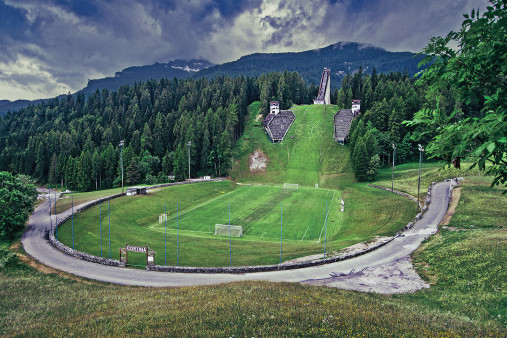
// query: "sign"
[[136, 248], [150, 254]]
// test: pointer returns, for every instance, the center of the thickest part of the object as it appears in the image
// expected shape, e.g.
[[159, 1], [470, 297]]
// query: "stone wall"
[[264, 268]]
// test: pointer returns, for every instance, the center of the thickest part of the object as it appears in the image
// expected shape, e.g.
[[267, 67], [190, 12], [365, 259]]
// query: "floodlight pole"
[[165, 233], [325, 232], [189, 144], [109, 220], [121, 160], [56, 221], [177, 237], [394, 158], [421, 149], [100, 227], [50, 220], [230, 243], [72, 203], [281, 230]]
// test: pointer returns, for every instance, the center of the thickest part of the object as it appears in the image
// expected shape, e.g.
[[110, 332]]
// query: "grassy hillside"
[[306, 156], [465, 263]]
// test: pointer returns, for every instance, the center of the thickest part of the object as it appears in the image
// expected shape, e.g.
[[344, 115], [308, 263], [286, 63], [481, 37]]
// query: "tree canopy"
[[465, 111], [17, 197]]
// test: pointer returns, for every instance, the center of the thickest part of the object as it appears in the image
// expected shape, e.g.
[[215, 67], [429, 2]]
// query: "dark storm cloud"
[[67, 42]]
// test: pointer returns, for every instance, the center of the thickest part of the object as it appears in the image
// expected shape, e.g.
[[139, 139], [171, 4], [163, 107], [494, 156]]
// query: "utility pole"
[[121, 160], [394, 159], [421, 149], [189, 144]]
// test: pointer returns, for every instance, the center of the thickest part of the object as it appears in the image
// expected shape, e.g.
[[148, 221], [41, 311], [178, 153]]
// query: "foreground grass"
[[36, 304], [466, 260]]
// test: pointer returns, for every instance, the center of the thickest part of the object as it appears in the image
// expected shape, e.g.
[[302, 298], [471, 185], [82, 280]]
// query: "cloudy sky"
[[49, 47]]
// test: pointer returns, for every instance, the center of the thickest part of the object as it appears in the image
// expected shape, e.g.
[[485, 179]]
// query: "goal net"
[[162, 218], [223, 230], [291, 186]]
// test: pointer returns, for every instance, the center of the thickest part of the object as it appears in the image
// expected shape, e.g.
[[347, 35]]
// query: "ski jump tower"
[[324, 96]]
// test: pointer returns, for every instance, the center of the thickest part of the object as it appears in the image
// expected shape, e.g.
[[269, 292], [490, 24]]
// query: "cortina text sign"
[[150, 254], [136, 248]]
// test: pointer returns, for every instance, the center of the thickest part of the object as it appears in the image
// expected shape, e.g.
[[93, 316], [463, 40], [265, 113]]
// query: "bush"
[[17, 197]]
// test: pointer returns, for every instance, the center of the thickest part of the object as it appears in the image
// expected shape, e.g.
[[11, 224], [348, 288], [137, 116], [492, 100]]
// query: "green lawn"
[[307, 152], [135, 220], [466, 260]]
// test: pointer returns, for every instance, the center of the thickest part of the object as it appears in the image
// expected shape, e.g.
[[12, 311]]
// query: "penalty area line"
[[329, 207]]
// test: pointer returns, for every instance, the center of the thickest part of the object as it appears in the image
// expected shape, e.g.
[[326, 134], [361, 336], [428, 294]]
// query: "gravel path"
[[385, 270]]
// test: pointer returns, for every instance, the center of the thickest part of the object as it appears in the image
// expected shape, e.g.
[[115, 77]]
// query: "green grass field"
[[135, 220]]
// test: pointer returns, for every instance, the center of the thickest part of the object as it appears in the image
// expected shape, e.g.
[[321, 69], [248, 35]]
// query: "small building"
[[274, 107], [356, 107], [133, 191]]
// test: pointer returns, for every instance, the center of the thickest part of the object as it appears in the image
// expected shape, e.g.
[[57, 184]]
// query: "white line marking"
[[329, 207]]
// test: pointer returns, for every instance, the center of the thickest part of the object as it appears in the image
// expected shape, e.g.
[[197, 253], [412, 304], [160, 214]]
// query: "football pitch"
[[262, 211]]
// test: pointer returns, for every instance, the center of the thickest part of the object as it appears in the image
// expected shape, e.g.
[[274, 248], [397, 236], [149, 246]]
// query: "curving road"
[[36, 244]]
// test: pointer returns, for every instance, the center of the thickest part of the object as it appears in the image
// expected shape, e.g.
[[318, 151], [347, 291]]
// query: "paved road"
[[36, 244]]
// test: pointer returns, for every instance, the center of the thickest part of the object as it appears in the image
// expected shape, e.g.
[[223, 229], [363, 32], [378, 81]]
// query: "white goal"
[[162, 218], [291, 186], [223, 230]]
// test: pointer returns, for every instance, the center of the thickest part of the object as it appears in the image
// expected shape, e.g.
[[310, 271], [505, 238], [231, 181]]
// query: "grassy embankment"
[[134, 220], [307, 156], [465, 264]]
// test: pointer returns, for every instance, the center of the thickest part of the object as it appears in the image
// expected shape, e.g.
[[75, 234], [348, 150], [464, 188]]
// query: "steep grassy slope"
[[307, 154]]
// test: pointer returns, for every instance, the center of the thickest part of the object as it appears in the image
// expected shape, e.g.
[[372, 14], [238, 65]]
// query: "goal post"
[[291, 186], [223, 230], [162, 218]]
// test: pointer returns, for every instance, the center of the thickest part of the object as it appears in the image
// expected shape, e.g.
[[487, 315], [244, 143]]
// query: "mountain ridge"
[[342, 57]]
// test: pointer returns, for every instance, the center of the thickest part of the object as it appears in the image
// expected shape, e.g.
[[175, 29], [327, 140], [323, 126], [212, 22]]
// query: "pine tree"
[[180, 165], [358, 132], [361, 161]]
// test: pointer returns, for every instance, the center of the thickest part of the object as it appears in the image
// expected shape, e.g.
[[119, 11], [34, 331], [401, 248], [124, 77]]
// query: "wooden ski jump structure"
[[324, 96]]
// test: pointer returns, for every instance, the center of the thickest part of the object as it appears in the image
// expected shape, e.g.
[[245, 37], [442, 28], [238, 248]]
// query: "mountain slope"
[[342, 58], [307, 155], [180, 69]]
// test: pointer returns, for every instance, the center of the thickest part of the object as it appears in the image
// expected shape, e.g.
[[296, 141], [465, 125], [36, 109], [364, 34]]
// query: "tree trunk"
[[456, 162]]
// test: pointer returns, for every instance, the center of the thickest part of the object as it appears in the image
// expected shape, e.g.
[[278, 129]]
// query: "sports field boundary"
[[231, 270]]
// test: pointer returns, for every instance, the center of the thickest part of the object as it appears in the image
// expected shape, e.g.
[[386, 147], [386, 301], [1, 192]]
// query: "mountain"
[[6, 105], [341, 57], [180, 69]]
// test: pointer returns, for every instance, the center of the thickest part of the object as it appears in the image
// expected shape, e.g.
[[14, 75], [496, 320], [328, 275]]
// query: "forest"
[[75, 141]]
